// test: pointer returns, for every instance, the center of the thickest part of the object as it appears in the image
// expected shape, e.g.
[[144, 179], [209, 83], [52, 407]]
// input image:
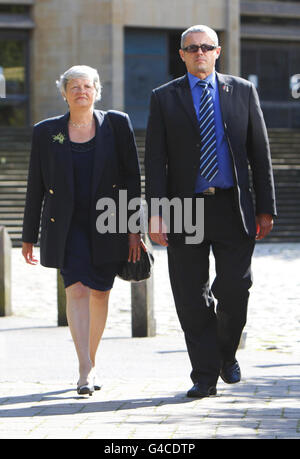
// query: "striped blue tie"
[[208, 158]]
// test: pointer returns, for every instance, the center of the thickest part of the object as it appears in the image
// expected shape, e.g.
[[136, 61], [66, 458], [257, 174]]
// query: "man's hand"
[[158, 231], [264, 224]]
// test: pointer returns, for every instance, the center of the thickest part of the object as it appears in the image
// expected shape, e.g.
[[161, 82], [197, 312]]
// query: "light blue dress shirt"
[[224, 177]]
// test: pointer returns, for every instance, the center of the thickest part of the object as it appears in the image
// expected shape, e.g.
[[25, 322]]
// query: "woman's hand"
[[135, 243], [27, 252]]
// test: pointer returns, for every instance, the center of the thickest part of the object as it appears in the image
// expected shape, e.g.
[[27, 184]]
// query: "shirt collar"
[[211, 80]]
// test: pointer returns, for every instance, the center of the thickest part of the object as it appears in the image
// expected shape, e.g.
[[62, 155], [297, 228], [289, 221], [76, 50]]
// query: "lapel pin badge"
[[227, 88]]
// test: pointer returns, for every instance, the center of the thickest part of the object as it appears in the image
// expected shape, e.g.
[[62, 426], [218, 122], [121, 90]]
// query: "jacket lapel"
[[104, 145], [225, 94], [63, 163], [184, 93]]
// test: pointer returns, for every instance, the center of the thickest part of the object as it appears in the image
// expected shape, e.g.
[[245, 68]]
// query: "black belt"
[[212, 191]]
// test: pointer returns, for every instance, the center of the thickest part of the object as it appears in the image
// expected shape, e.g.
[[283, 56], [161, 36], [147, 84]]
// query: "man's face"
[[200, 63]]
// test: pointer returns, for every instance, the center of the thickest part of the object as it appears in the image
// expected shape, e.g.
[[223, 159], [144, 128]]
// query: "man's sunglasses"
[[194, 48]]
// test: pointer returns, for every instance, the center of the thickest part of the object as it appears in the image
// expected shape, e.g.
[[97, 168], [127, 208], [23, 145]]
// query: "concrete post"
[[61, 302], [142, 305], [231, 39], [142, 312], [5, 273]]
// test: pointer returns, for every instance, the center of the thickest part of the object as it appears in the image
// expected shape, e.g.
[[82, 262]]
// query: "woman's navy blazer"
[[50, 188]]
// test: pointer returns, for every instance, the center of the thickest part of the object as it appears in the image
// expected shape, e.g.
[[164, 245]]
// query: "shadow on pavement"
[[76, 407]]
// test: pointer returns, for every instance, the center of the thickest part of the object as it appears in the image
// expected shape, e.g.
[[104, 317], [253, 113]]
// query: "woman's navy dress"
[[78, 261]]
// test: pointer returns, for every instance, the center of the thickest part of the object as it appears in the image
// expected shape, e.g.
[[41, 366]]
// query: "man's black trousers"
[[213, 316]]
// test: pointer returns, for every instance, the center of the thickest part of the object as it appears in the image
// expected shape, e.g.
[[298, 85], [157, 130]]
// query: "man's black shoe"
[[201, 390], [231, 372]]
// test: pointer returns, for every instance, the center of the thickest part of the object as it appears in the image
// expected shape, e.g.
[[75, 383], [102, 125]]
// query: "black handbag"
[[140, 270]]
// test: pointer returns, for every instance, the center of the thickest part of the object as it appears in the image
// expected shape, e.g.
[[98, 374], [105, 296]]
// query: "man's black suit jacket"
[[50, 188], [173, 145]]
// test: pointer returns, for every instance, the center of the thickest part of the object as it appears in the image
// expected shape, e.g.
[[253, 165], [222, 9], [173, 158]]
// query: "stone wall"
[[73, 32], [68, 33]]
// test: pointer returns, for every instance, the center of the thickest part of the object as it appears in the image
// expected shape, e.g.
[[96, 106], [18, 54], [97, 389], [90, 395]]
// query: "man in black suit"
[[204, 129]]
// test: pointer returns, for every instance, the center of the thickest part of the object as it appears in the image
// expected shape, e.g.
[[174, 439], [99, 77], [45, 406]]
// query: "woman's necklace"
[[81, 125]]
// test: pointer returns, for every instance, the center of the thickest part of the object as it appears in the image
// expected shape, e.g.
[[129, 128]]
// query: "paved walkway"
[[145, 379]]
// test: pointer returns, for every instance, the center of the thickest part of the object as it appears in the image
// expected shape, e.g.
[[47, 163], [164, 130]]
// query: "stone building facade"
[[134, 45]]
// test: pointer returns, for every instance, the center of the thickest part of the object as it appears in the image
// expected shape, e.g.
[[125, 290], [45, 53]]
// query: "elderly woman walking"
[[76, 159]]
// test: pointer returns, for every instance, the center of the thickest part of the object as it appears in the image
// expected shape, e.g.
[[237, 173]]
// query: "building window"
[[273, 67], [14, 9], [13, 64]]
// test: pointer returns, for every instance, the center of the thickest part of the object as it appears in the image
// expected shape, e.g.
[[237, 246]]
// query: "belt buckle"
[[209, 191]]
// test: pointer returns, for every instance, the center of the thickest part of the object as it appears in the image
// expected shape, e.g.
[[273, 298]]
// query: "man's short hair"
[[200, 28]]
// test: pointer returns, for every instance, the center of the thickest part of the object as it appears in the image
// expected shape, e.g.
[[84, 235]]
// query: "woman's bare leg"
[[98, 316], [78, 316]]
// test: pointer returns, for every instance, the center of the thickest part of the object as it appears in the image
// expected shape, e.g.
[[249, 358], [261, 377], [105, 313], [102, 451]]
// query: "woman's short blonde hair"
[[79, 71]]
